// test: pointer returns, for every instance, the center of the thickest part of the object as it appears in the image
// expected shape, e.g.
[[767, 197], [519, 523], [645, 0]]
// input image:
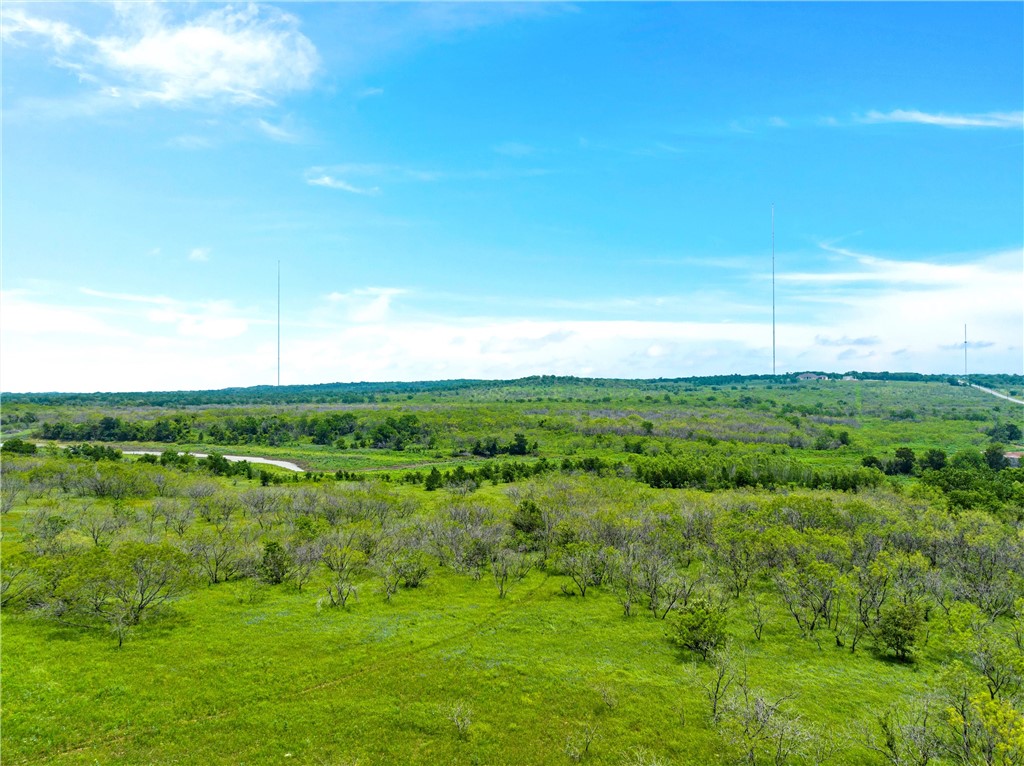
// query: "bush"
[[275, 565], [700, 626], [898, 628], [18, 447]]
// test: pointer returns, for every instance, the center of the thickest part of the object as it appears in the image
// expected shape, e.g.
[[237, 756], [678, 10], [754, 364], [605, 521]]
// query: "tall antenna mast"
[[773, 288], [279, 323], [965, 355]]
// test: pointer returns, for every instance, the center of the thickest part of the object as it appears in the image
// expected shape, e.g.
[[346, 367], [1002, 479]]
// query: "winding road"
[[996, 393], [233, 458]]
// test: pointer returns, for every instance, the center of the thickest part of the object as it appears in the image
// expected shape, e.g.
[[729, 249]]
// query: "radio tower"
[[773, 288], [966, 379], [279, 323]]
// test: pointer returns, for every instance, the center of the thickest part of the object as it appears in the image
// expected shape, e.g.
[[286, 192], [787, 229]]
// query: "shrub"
[[898, 628], [700, 626]]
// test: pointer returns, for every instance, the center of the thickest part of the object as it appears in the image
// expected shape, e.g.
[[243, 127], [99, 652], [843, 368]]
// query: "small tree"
[[995, 458], [904, 460], [577, 744], [907, 735], [343, 562], [586, 564], [724, 671], [461, 716], [899, 627], [508, 567], [700, 626], [276, 564], [434, 480]]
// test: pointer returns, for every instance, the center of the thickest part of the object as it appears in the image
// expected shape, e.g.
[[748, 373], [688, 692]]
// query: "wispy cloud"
[[367, 304], [330, 182], [284, 133], [18, 25], [844, 341], [213, 321], [336, 176], [149, 342], [199, 254], [866, 269], [159, 300], [248, 55], [911, 116], [970, 344]]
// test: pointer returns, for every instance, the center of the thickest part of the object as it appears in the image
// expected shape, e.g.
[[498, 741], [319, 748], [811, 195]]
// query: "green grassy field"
[[248, 670]]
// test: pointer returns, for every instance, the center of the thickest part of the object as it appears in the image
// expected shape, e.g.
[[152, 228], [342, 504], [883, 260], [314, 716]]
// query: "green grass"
[[221, 677], [221, 681]]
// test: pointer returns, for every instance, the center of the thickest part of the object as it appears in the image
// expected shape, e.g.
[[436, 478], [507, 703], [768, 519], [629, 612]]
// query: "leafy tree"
[[968, 459], [872, 461], [994, 457], [145, 576], [1005, 432], [700, 626], [933, 459], [899, 628], [519, 445], [18, 447], [276, 564], [904, 461], [434, 480]]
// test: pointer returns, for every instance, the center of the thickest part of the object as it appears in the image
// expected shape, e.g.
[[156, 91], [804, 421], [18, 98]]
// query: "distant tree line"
[[375, 431], [357, 393]]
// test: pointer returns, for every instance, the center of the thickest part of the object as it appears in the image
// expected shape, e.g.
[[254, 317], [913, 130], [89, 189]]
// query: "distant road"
[[232, 458], [996, 393]]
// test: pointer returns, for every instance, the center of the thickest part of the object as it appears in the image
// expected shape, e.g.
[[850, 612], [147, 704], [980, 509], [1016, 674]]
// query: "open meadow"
[[543, 571]]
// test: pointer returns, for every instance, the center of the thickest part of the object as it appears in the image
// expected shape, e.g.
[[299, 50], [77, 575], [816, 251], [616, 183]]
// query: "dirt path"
[[996, 393], [232, 458]]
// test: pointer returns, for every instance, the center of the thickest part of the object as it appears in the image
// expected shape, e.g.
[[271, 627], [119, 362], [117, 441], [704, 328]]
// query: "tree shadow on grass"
[[894, 661]]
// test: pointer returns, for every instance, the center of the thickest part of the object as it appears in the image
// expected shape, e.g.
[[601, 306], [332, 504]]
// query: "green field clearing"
[[711, 511]]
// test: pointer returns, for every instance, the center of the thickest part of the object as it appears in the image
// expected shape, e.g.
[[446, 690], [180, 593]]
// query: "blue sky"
[[498, 190]]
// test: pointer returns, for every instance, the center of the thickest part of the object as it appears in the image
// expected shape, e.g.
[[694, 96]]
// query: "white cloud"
[[283, 133], [875, 314], [985, 120], [159, 300], [845, 341], [240, 55], [210, 324], [199, 254], [330, 182], [334, 176], [16, 25], [990, 270], [365, 305]]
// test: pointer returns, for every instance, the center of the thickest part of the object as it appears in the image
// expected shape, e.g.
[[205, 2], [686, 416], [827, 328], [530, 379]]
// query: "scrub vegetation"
[[552, 570]]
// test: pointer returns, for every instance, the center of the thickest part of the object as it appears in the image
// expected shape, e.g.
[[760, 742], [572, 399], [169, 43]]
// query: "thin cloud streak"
[[158, 300], [1012, 120], [329, 182]]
